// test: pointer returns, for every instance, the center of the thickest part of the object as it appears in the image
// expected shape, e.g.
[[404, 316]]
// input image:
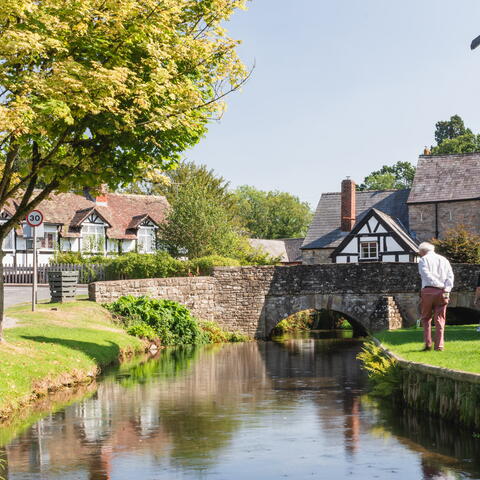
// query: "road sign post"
[[34, 219]]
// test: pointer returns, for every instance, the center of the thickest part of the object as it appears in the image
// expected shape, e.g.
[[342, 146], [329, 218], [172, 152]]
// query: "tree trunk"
[[2, 292]]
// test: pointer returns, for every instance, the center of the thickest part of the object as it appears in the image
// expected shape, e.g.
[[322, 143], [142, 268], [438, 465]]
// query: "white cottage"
[[111, 223], [376, 238]]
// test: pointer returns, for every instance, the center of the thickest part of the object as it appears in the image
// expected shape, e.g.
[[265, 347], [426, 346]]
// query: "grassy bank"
[[462, 347], [55, 346]]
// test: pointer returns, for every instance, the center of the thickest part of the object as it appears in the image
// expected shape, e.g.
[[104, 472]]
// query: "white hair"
[[426, 247]]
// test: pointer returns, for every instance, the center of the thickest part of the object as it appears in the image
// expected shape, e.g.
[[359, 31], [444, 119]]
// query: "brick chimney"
[[101, 198], [348, 212]]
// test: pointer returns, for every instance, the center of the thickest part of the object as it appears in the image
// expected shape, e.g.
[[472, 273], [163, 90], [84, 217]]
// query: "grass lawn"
[[50, 348], [462, 347]]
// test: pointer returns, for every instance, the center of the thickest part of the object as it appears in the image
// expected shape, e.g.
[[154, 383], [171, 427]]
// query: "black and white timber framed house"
[[376, 238]]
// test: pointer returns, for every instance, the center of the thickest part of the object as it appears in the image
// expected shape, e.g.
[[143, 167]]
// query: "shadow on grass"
[[100, 353]]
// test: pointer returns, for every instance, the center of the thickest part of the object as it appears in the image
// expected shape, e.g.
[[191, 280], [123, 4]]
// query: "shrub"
[[216, 334], [171, 321], [77, 258], [142, 330], [138, 265], [300, 321], [205, 265], [383, 372], [459, 246]]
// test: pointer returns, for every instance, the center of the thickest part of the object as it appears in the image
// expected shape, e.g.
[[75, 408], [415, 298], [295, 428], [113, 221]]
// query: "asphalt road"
[[14, 295]]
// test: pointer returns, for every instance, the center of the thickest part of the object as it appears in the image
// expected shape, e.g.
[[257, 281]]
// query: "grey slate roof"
[[324, 231], [446, 177], [292, 246]]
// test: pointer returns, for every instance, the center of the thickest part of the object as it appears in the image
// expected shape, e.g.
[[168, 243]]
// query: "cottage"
[[108, 224], [352, 226]]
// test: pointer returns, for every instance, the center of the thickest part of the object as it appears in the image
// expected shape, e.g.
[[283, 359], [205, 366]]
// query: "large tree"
[[272, 214], [203, 216], [103, 91], [389, 177]]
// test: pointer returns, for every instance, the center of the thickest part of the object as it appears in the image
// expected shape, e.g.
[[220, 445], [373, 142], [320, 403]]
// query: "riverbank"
[[462, 347], [59, 345], [445, 384]]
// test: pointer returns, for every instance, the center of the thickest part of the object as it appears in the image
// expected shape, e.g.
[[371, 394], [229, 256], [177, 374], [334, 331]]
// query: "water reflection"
[[288, 408]]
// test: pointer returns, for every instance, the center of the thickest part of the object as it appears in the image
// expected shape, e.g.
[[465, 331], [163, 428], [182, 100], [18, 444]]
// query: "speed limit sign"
[[35, 218]]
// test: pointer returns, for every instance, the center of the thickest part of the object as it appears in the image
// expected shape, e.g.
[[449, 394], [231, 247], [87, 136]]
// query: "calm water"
[[288, 409]]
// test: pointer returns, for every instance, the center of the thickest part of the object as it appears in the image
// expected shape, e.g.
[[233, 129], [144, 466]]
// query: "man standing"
[[437, 282]]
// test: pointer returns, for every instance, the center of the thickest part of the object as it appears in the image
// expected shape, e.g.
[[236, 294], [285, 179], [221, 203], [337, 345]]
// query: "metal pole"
[[34, 283]]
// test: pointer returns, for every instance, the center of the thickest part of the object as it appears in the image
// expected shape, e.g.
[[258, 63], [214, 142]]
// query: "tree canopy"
[[273, 214], [102, 91], [99, 91], [390, 177], [453, 137]]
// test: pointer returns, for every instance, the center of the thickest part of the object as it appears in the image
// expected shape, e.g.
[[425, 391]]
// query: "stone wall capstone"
[[253, 300]]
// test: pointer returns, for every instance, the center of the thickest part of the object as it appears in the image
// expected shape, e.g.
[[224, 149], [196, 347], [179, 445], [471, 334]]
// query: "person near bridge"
[[437, 282]]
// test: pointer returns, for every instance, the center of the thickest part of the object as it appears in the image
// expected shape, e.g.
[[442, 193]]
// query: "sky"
[[340, 88]]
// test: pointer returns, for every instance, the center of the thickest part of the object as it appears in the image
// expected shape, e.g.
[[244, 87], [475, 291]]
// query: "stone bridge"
[[252, 300]]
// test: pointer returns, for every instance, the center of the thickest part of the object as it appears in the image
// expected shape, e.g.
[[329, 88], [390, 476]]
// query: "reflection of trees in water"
[[441, 444]]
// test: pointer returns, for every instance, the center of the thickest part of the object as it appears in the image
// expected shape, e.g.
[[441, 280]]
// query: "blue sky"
[[342, 87]]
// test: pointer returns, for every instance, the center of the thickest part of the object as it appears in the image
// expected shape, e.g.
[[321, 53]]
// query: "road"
[[14, 295]]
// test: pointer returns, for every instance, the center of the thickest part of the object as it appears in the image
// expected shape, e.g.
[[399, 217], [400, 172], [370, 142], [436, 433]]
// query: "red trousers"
[[433, 301]]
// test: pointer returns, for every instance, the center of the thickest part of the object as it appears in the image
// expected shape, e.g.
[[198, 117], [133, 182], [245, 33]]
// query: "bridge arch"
[[279, 308]]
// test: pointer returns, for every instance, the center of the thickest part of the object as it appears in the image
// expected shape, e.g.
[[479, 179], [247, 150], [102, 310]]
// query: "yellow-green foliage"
[[383, 371], [217, 335], [294, 323]]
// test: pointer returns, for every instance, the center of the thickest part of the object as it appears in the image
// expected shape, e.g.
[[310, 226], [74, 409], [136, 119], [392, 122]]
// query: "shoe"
[[439, 349], [426, 349]]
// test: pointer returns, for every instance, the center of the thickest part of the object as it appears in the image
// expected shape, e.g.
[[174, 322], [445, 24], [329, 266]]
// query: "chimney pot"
[[101, 198], [348, 205]]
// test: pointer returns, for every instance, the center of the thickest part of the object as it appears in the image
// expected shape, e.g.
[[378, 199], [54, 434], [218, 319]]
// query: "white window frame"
[[52, 232], [10, 238], [98, 234], [369, 244], [146, 232]]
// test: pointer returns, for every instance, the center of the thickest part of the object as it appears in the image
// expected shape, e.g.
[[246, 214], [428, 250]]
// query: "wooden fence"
[[87, 273]]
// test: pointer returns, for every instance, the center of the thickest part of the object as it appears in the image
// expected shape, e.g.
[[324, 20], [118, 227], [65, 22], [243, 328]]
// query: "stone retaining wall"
[[449, 394]]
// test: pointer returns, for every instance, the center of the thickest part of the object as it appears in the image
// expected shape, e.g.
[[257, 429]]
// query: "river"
[[292, 408]]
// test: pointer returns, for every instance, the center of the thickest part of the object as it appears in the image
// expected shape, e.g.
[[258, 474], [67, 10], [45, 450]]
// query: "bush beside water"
[[168, 321]]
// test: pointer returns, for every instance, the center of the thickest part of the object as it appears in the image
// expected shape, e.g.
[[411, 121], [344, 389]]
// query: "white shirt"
[[436, 271]]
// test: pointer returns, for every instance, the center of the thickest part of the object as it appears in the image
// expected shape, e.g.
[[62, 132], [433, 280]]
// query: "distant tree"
[[449, 129], [467, 143], [459, 246], [273, 214], [453, 137], [389, 177]]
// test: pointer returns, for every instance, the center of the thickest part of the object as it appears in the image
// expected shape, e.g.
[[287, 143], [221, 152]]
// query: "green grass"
[[462, 347], [51, 348]]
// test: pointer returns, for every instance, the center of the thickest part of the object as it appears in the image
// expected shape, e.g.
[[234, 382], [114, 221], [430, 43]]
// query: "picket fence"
[[87, 273]]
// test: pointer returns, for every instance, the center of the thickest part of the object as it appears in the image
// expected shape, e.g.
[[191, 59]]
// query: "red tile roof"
[[122, 212]]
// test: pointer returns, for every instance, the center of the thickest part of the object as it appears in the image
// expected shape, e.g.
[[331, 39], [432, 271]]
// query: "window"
[[93, 238], [49, 241], [146, 239], [9, 241], [368, 250]]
